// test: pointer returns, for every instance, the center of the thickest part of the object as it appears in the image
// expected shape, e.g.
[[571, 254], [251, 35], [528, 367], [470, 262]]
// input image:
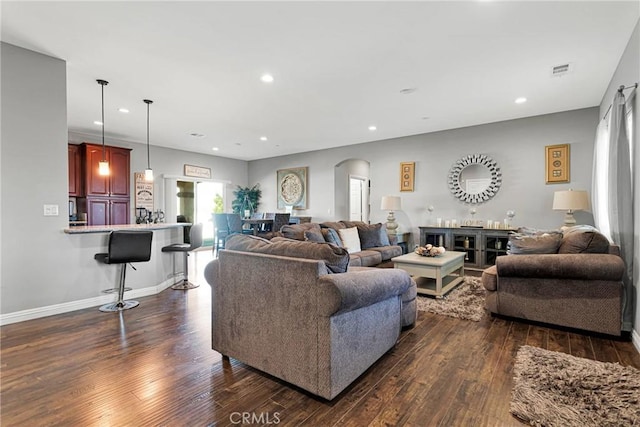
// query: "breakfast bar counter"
[[107, 228]]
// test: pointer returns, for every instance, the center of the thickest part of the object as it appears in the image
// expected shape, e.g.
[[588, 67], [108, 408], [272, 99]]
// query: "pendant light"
[[103, 165], [148, 173]]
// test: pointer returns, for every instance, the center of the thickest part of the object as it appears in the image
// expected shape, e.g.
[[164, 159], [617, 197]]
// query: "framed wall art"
[[557, 163], [197, 171], [407, 175], [292, 187]]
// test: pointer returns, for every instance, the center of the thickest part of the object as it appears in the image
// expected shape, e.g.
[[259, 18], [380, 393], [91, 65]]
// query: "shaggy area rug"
[[464, 302], [557, 389]]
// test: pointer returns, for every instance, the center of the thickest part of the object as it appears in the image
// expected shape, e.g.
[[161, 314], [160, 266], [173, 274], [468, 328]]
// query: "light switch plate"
[[50, 210]]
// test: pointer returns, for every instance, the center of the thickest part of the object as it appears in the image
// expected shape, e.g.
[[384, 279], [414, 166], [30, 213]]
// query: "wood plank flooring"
[[153, 366]]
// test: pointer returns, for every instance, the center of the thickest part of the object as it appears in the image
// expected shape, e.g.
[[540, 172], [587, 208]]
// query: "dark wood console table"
[[481, 245]]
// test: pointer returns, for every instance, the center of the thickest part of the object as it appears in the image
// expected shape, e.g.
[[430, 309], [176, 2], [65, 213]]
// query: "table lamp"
[[391, 203], [570, 201]]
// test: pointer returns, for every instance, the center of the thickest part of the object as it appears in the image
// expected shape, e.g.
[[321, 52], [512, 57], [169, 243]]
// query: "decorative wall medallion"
[[557, 163], [475, 178], [292, 188]]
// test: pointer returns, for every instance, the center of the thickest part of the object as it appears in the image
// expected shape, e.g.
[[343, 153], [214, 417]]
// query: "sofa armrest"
[[211, 272], [355, 289], [562, 266]]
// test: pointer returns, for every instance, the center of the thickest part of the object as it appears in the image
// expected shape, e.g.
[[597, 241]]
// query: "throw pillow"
[[350, 239], [371, 236], [296, 231], [583, 239], [314, 235], [332, 224], [384, 236], [331, 236], [521, 244]]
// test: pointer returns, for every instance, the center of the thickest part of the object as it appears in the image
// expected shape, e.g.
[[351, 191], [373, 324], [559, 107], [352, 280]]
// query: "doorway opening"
[[197, 201], [358, 192]]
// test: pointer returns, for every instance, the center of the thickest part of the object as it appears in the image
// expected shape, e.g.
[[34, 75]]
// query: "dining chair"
[[221, 230], [268, 227], [234, 222], [279, 220]]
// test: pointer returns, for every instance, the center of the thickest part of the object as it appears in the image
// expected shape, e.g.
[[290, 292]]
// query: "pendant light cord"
[[148, 102], [103, 83], [103, 149]]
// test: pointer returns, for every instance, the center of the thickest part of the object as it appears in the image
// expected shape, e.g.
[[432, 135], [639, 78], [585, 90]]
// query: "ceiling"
[[338, 67]]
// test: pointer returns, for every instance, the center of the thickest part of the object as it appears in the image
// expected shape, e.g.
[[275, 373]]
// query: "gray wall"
[[627, 73], [516, 145], [34, 172]]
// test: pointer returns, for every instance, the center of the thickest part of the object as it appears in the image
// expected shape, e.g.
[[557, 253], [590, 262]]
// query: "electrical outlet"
[[50, 210]]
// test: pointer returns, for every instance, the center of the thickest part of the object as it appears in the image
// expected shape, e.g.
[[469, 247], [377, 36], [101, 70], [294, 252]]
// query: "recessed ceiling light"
[[521, 100], [123, 110], [97, 122], [215, 148], [197, 135], [237, 143], [263, 138], [372, 128], [407, 91], [425, 117], [267, 78]]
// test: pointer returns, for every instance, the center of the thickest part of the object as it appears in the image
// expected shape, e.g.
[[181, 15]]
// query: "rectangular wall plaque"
[[407, 175], [197, 171], [557, 162], [144, 192]]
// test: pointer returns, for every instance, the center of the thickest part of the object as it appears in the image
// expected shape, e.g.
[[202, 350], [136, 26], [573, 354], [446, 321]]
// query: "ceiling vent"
[[561, 70]]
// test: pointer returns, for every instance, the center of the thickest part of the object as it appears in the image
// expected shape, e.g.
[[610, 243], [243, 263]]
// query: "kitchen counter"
[[107, 228]]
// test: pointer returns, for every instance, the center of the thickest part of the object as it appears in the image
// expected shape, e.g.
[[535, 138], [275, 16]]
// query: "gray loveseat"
[[579, 285], [291, 317]]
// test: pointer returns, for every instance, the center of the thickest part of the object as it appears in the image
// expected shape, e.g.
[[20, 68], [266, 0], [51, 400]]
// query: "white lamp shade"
[[390, 203], [148, 174], [571, 200]]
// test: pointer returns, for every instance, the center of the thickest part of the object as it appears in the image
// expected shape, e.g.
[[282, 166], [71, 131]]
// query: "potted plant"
[[247, 200]]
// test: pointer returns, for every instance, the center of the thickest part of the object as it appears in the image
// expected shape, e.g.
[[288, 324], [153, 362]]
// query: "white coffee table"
[[434, 275]]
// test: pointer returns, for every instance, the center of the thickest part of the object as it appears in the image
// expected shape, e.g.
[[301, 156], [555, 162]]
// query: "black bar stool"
[[125, 247], [195, 241]]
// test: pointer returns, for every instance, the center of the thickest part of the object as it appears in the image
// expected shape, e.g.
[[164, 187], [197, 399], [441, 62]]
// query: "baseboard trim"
[[36, 313], [635, 339]]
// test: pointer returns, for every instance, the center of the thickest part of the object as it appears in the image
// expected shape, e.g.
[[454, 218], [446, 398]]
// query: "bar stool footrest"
[[114, 290]]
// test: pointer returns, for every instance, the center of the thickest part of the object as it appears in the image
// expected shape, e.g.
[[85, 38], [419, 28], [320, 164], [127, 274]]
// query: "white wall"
[[628, 73], [42, 268], [516, 145]]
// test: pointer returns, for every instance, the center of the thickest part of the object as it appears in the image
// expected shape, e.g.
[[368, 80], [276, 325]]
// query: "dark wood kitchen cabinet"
[[107, 211], [75, 171], [105, 199], [116, 184]]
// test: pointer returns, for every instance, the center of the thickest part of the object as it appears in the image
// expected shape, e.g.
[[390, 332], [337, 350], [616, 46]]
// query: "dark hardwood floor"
[[153, 365]]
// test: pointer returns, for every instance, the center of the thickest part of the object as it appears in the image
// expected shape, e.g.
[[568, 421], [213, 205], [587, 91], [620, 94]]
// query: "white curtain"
[[612, 192]]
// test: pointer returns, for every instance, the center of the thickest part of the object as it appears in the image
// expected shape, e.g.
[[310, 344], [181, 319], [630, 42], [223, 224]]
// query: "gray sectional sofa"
[[375, 250], [571, 279], [291, 309]]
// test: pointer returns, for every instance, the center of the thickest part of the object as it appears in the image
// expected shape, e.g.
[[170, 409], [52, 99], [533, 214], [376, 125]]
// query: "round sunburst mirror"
[[475, 178]]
